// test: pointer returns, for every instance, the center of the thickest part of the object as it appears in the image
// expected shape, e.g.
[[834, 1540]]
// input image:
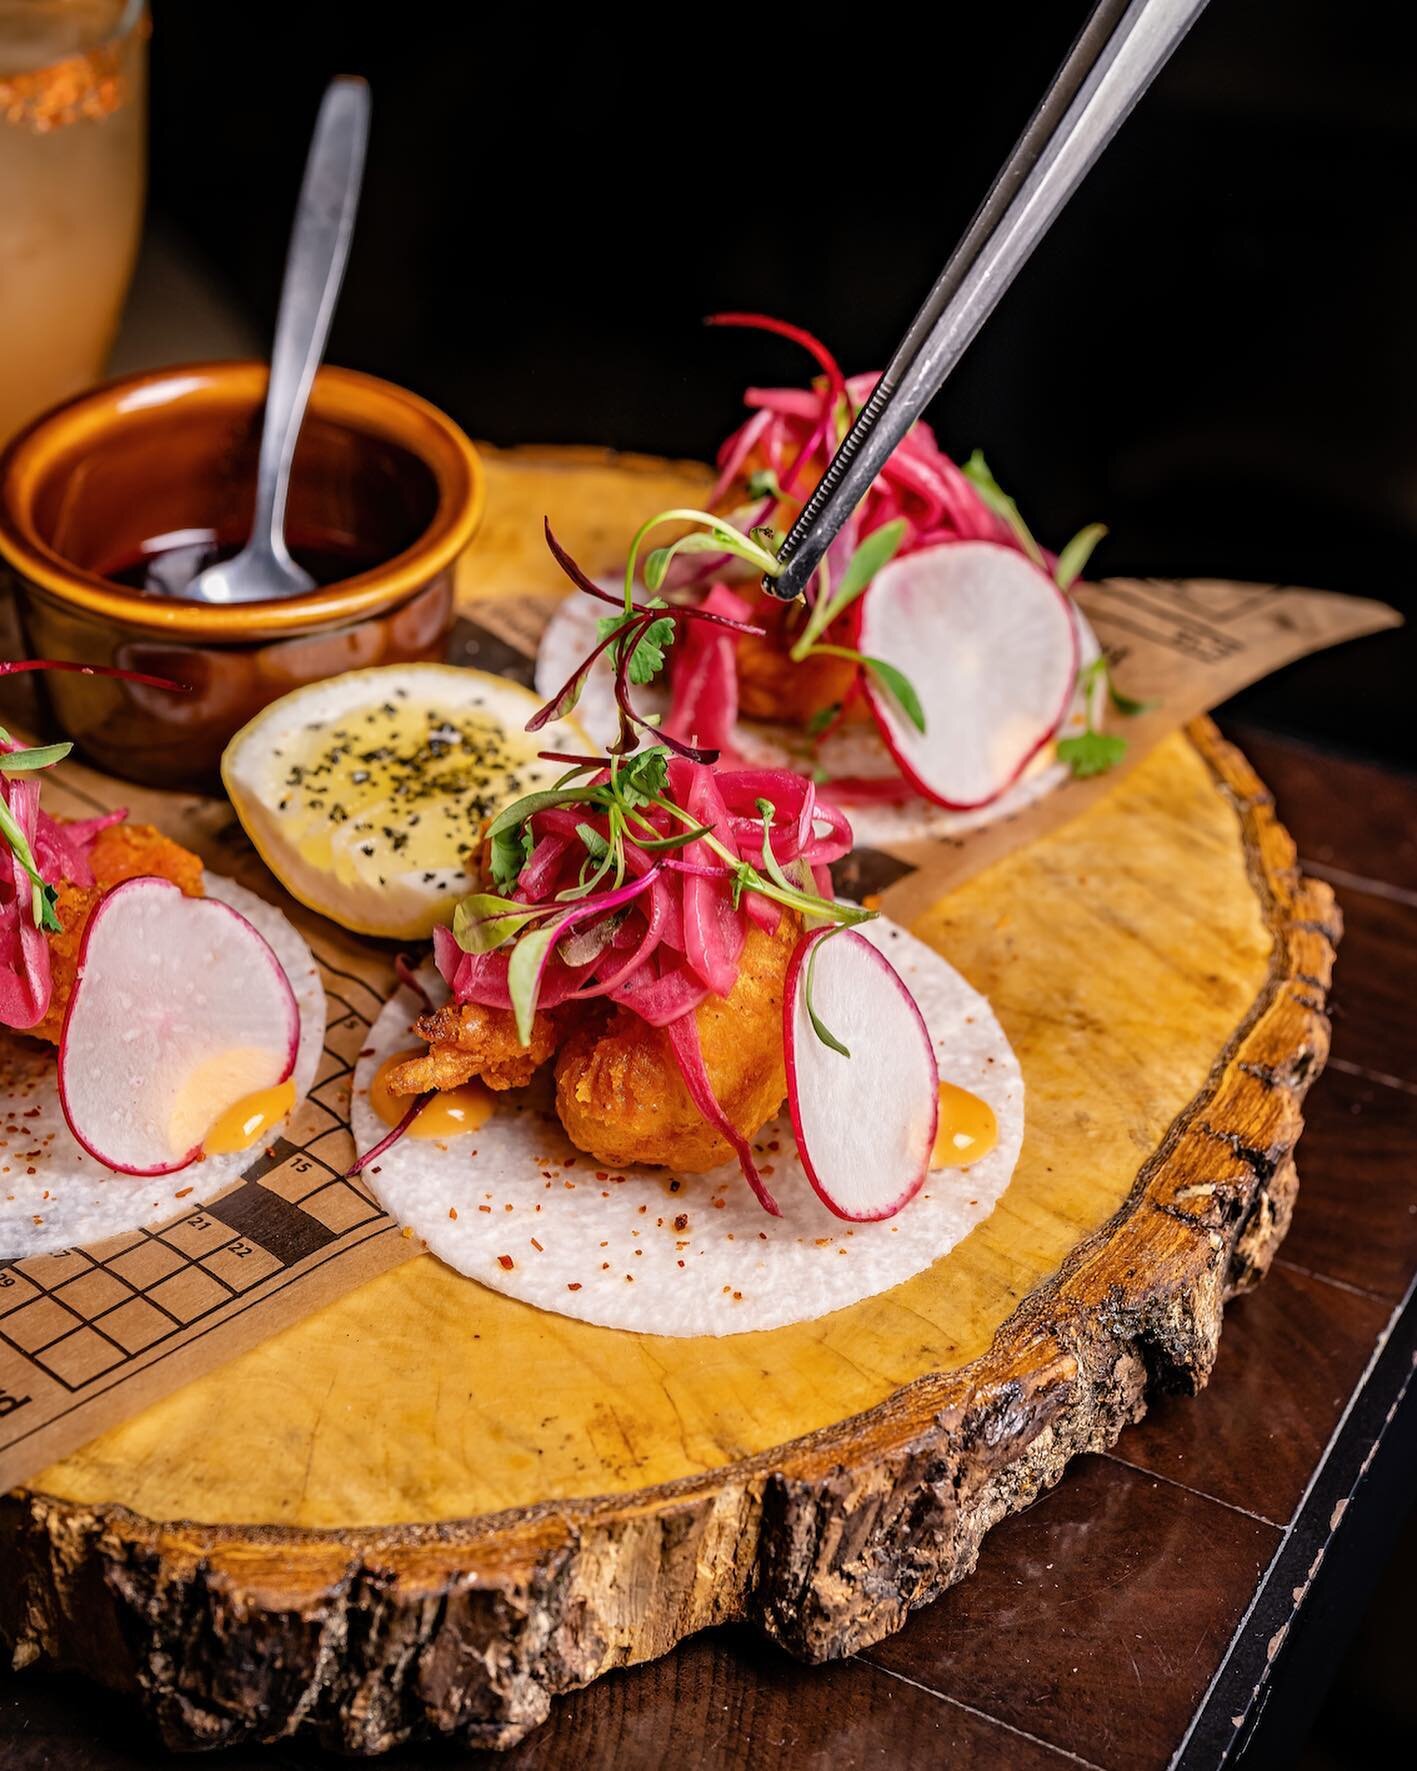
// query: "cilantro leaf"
[[1091, 753], [46, 899], [647, 659], [643, 777], [510, 851]]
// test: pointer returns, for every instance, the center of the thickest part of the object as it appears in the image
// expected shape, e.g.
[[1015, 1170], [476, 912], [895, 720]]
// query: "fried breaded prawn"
[[466, 1041], [622, 1099], [772, 686], [135, 851], [123, 851]]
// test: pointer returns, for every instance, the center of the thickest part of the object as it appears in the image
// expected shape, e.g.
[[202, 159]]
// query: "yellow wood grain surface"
[[1120, 952]]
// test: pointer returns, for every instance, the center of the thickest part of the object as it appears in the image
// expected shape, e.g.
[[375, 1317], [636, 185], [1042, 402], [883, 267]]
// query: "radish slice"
[[989, 643], [179, 1010], [865, 1125]]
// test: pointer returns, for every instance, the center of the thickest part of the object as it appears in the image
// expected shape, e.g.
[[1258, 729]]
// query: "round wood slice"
[[430, 1508]]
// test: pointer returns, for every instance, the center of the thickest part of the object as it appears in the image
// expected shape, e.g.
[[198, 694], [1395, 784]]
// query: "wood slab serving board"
[[428, 1508]]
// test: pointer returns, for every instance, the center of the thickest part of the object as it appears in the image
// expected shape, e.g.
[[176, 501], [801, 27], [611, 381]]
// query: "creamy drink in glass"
[[73, 102]]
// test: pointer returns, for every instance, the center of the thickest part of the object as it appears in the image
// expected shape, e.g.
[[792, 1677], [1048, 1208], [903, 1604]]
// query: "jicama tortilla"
[[53, 1194], [517, 1206], [857, 751]]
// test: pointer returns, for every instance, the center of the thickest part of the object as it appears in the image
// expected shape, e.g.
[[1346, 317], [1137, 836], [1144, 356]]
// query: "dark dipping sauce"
[[166, 565]]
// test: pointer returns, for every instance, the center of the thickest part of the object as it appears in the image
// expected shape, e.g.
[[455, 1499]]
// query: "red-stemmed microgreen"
[[797, 335], [18, 666], [623, 798], [635, 639]]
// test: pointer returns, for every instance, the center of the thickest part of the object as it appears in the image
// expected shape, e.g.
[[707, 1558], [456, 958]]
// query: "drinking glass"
[[73, 101]]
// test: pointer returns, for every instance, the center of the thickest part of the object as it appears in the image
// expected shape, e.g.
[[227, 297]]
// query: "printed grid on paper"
[[76, 1323]]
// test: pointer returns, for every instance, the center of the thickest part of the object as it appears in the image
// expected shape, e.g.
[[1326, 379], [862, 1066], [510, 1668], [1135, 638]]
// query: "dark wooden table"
[[1181, 1599]]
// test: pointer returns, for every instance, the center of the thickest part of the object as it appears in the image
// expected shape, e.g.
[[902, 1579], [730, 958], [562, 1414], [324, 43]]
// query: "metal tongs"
[[1123, 46]]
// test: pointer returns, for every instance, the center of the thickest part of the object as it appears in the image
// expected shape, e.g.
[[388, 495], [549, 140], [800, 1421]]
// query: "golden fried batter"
[[770, 685], [137, 851], [621, 1097], [123, 851], [468, 1040]]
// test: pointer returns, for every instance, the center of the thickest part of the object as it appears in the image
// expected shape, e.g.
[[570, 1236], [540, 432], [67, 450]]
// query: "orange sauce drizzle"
[[450, 1113], [246, 1121], [967, 1128]]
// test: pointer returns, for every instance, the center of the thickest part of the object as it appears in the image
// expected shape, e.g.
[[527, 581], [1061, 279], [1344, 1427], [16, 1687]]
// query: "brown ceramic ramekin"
[[380, 477]]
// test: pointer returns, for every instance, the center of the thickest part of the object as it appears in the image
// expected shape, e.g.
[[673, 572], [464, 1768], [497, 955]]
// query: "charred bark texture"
[[369, 1638]]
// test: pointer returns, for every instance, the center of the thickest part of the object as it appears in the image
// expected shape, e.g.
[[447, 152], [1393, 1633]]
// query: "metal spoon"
[[314, 270]]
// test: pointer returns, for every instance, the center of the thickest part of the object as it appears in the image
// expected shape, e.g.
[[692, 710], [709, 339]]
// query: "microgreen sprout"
[[710, 534], [635, 638], [1075, 555], [1091, 751], [623, 797]]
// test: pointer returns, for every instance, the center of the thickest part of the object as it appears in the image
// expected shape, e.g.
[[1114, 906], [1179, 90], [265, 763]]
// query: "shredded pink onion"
[[703, 708], [61, 852], [679, 936], [669, 995], [683, 1036], [25, 981]]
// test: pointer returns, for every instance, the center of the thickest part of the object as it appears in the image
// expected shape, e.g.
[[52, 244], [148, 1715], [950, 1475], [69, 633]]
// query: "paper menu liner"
[[1185, 645], [89, 1337]]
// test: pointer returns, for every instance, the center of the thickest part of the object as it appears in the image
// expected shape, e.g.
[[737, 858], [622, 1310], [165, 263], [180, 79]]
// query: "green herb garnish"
[[633, 786], [1093, 752], [647, 659]]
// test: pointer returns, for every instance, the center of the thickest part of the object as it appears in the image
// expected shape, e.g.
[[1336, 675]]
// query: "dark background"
[[1213, 352]]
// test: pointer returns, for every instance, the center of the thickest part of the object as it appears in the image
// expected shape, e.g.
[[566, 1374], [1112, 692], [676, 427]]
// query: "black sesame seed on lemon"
[[365, 793]]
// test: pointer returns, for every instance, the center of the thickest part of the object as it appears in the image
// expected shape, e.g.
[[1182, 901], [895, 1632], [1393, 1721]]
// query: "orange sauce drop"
[[967, 1128], [246, 1121], [450, 1113]]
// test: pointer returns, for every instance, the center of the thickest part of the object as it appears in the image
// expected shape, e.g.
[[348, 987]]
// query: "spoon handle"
[[314, 270]]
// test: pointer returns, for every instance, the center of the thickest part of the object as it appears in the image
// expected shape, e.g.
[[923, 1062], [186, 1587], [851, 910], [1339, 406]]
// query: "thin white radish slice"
[[865, 1124], [989, 643], [179, 1009]]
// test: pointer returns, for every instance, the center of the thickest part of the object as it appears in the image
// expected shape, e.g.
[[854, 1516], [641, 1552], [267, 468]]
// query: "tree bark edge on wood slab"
[[367, 1638]]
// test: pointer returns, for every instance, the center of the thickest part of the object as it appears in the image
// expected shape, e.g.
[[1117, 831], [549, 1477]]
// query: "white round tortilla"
[[856, 750], [519, 1181], [53, 1194]]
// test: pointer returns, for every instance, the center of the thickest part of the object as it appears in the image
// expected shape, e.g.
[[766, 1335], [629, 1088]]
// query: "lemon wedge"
[[365, 792]]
